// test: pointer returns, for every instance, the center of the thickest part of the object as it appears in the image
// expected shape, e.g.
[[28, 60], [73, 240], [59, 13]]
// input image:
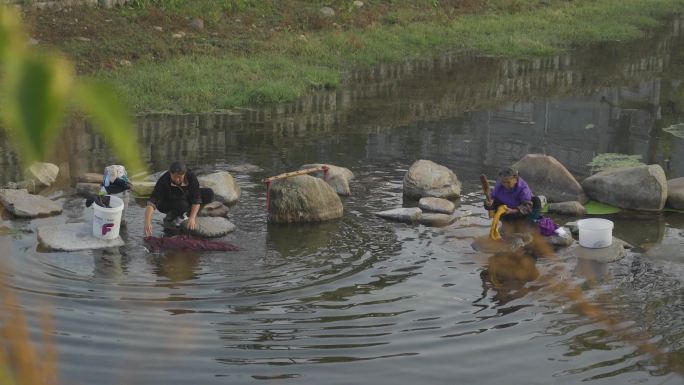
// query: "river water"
[[359, 299]]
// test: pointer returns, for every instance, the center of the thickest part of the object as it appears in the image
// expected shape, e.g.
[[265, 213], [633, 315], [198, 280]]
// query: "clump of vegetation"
[[609, 160]]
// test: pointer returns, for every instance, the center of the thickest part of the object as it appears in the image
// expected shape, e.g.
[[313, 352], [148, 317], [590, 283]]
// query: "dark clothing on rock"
[[176, 200], [187, 243]]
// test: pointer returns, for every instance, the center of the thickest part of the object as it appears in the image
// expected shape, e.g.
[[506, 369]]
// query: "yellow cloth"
[[494, 229]]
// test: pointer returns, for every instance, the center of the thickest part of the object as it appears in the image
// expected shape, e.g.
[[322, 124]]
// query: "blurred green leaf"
[[598, 208], [111, 118], [36, 91]]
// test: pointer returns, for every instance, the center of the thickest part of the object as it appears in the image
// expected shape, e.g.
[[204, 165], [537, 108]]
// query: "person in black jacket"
[[176, 194]]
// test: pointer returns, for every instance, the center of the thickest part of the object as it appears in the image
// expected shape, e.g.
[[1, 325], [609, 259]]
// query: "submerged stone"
[[614, 252], [73, 237], [438, 205], [407, 215], [210, 227], [214, 209]]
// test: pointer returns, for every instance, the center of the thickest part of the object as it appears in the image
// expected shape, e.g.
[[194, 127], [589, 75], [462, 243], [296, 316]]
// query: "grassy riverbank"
[[256, 52]]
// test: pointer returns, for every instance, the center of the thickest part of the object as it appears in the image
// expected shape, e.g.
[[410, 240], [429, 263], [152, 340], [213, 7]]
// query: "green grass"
[[286, 66]]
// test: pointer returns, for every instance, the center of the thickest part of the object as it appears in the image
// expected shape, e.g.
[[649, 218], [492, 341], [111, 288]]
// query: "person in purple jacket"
[[522, 208]]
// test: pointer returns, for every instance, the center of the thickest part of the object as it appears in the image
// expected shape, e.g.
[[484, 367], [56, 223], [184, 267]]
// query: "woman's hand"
[[148, 229], [510, 211], [192, 223]]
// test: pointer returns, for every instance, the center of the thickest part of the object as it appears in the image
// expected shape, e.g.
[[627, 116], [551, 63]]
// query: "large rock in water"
[[303, 199], [429, 179], [25, 205], [73, 237], [636, 188], [675, 193], [44, 174], [337, 177], [226, 190], [547, 176]]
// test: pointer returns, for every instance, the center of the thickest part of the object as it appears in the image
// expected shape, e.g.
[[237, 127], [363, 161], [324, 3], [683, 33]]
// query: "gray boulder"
[[407, 215], [675, 193], [437, 205], [636, 188], [85, 189], [337, 177], [24, 205], [226, 190], [210, 227], [568, 208], [547, 176], [428, 179], [303, 199], [73, 237], [44, 174]]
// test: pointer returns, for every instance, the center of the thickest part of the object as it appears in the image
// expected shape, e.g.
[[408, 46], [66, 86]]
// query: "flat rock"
[[614, 252], [73, 237], [407, 214], [438, 205], [24, 205], [568, 208], [214, 209], [210, 227]]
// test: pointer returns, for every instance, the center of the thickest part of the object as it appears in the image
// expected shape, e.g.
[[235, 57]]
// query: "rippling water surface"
[[359, 299]]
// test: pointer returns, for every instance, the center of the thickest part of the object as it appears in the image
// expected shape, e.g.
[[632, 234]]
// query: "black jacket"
[[164, 191]]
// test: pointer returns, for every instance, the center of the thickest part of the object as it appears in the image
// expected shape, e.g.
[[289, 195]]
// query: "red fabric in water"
[[187, 243]]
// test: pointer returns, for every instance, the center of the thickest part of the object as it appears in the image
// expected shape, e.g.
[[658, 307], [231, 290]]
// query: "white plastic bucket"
[[595, 233], [107, 221]]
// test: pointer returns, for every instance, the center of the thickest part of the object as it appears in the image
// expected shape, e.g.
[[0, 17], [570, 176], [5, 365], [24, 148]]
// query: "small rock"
[[438, 205], [158, 28], [90, 177], [125, 63], [197, 24], [83, 39], [214, 209], [178, 35], [32, 41], [301, 38], [327, 12], [568, 208], [358, 4], [409, 215]]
